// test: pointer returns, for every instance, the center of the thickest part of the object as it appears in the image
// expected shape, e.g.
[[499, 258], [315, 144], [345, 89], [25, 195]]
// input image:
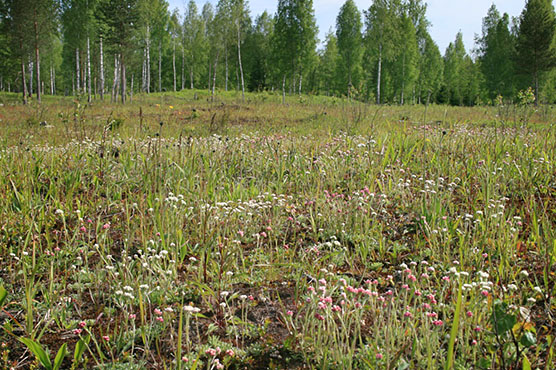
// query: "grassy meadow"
[[179, 233]]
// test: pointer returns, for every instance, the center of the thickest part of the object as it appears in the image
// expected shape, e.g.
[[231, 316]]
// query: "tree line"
[[383, 54]]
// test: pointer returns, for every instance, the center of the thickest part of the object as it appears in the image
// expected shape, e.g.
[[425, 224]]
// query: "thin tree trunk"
[[115, 82], [148, 59], [51, 80], [30, 92], [403, 80], [23, 82], [300, 82], [101, 71], [536, 88], [131, 89], [124, 81], [144, 72], [182, 68], [214, 77], [209, 75], [226, 52], [284, 90], [174, 65], [88, 70], [379, 74], [37, 57], [191, 77], [78, 73], [160, 66], [240, 64]]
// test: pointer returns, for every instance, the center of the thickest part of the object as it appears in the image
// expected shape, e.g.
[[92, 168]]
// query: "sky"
[[446, 16]]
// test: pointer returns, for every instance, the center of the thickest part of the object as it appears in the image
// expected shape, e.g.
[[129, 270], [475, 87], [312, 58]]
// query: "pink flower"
[[83, 228], [379, 356], [485, 255], [319, 317], [438, 322], [132, 316], [77, 331], [407, 314], [477, 328], [268, 228], [240, 233], [484, 293], [336, 308], [211, 352], [82, 324], [106, 337], [106, 226], [473, 342], [446, 278], [159, 319], [289, 312], [185, 359], [469, 314], [322, 282], [157, 312], [263, 234]]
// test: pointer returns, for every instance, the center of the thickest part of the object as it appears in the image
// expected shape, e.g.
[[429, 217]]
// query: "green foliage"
[[536, 52], [349, 41], [42, 355], [497, 48]]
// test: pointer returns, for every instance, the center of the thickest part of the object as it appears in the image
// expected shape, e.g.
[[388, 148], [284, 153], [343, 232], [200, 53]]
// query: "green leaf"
[[38, 351], [484, 363], [528, 339], [403, 365], [501, 320], [526, 363], [60, 357], [79, 349], [3, 295], [454, 331]]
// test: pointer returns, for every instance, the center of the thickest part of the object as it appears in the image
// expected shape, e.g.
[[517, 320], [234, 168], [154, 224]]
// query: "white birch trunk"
[[148, 60], [284, 90], [124, 81], [101, 71], [37, 58], [30, 92], [226, 51], [379, 74], [115, 82], [51, 80], [77, 72], [88, 70], [160, 66], [182, 68], [240, 64], [174, 65]]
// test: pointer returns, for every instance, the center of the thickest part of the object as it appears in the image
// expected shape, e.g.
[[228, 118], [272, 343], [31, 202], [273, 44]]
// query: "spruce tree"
[[535, 48]]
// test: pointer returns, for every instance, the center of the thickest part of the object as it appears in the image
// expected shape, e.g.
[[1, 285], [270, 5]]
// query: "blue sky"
[[447, 16]]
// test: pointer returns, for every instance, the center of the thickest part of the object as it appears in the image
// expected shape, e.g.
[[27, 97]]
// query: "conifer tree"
[[535, 48]]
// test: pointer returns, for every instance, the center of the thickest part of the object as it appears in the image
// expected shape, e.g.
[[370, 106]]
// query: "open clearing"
[[174, 232]]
